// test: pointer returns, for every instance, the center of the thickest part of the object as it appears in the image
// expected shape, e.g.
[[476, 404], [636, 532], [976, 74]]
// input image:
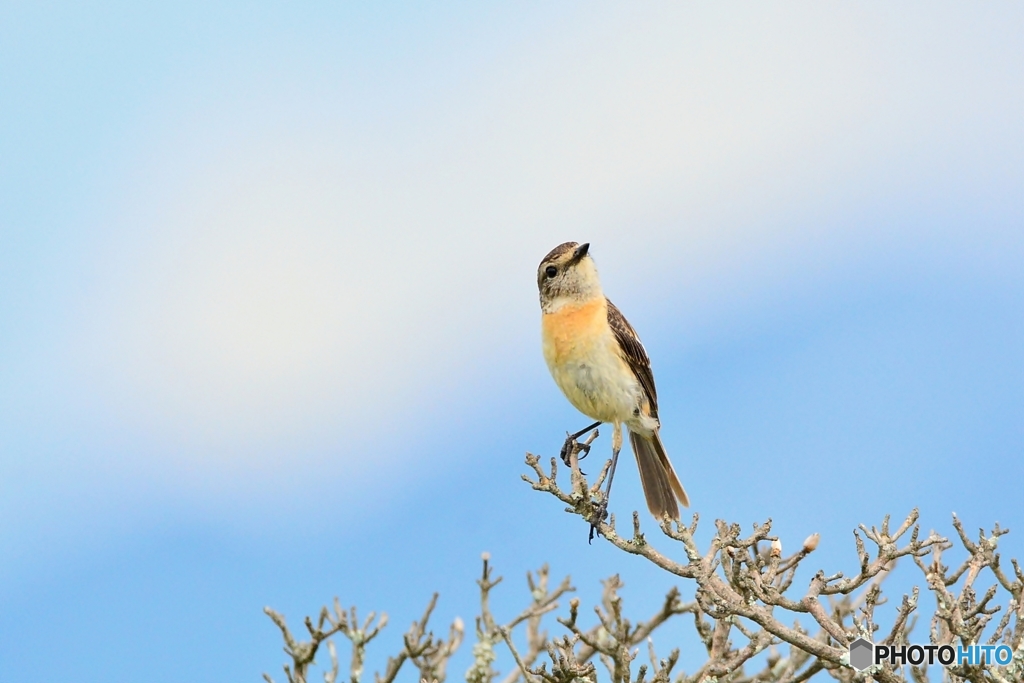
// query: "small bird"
[[597, 360]]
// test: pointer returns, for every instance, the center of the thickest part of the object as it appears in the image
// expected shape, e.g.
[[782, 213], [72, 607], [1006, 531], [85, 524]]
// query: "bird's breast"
[[584, 360], [575, 330]]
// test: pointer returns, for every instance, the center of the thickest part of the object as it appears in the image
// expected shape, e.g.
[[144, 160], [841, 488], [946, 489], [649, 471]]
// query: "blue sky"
[[268, 320]]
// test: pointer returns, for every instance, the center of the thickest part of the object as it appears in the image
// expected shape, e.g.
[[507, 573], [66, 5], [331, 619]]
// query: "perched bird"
[[597, 360]]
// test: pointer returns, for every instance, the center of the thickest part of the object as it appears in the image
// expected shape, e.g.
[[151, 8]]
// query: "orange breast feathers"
[[573, 330]]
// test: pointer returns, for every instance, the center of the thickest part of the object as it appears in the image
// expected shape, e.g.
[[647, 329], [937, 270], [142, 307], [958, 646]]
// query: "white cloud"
[[284, 264]]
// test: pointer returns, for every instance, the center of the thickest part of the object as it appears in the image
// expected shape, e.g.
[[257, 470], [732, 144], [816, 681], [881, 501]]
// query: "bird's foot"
[[571, 445], [599, 514]]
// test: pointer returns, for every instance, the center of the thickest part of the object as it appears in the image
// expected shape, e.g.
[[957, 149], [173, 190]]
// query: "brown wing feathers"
[[635, 353]]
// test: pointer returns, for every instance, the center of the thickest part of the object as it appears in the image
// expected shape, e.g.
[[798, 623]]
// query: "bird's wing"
[[634, 353]]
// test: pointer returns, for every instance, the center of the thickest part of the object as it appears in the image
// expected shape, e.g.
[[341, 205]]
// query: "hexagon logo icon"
[[862, 654]]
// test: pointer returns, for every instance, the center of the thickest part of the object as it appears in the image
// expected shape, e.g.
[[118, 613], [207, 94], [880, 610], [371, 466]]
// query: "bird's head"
[[567, 275]]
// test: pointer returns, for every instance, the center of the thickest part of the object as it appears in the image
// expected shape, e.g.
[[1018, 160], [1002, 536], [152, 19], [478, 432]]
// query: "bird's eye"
[[551, 271]]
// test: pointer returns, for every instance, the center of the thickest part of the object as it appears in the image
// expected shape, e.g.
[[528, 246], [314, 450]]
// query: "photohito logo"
[[864, 653]]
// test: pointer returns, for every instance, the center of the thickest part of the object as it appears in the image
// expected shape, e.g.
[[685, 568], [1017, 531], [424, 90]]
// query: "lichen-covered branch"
[[751, 621], [743, 585]]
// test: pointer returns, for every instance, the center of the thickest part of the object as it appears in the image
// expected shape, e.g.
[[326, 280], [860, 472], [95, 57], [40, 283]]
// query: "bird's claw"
[[566, 451], [570, 445], [599, 514]]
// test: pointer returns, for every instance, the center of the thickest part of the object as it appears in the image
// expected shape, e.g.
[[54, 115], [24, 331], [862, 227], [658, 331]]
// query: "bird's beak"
[[580, 252]]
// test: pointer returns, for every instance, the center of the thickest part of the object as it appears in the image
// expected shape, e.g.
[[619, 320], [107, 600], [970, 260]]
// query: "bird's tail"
[[661, 485]]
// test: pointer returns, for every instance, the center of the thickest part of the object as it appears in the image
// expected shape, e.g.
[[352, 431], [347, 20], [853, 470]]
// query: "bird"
[[598, 361]]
